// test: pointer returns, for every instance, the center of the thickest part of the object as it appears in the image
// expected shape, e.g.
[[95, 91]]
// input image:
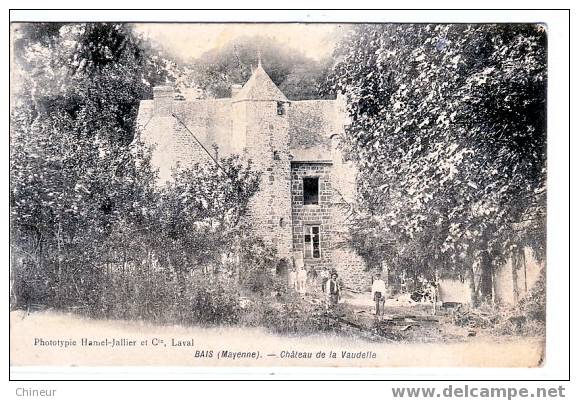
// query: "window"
[[311, 241], [280, 108], [311, 194]]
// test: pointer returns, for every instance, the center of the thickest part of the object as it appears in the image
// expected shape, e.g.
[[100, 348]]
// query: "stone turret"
[[260, 118]]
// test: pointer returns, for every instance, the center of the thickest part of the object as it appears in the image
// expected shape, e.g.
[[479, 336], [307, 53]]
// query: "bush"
[[137, 294], [527, 318], [260, 280], [288, 313], [483, 317], [534, 304], [212, 301], [156, 296], [31, 285]]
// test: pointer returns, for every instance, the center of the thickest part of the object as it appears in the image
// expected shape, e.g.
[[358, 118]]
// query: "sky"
[[189, 41]]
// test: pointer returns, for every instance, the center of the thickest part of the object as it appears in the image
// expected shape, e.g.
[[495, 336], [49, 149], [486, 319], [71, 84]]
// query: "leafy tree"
[[73, 168], [448, 130], [298, 76], [90, 225], [199, 214]]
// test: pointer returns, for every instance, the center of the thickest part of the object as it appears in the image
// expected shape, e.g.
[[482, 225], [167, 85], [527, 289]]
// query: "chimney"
[[163, 100], [235, 89]]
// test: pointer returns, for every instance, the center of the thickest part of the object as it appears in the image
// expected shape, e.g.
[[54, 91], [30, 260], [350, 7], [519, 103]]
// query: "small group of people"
[[331, 286], [297, 278]]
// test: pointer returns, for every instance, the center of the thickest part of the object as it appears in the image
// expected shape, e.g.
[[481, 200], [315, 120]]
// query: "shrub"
[[212, 301], [155, 295], [288, 313], [31, 285], [526, 318], [260, 280], [483, 317]]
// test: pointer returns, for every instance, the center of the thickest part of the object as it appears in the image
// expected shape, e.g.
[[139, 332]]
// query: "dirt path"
[[168, 345], [403, 321]]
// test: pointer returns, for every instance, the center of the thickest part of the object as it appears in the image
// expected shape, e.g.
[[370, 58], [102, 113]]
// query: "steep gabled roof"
[[260, 87]]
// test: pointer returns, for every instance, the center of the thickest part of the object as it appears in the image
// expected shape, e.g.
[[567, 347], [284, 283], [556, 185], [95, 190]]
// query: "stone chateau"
[[303, 205]]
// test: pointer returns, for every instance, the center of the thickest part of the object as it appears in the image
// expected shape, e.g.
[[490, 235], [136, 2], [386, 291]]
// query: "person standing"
[[332, 289], [379, 295], [302, 276], [292, 278], [324, 276]]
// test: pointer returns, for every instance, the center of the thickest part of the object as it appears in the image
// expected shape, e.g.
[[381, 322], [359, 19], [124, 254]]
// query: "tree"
[[199, 214], [90, 227], [297, 75], [448, 130], [73, 164]]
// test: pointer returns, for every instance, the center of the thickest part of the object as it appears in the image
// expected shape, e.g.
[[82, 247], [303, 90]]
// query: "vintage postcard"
[[278, 194]]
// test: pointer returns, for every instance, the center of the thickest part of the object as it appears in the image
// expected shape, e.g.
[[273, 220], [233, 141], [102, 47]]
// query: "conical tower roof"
[[260, 87]]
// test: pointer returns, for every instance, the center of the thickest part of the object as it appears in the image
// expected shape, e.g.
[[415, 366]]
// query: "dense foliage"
[[448, 131], [90, 228], [74, 178], [298, 76]]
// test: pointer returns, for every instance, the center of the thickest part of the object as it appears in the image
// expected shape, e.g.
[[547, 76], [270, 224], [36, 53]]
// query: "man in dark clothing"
[[332, 289]]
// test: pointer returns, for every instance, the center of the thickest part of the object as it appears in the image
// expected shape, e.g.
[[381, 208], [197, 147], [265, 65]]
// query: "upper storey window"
[[311, 191], [280, 108]]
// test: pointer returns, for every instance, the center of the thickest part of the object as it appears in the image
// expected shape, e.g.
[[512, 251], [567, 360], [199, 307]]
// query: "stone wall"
[[172, 146], [254, 129], [267, 145], [332, 216], [351, 267], [320, 214], [454, 290]]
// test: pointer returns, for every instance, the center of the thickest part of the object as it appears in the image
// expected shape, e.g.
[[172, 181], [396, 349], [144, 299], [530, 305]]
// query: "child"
[[302, 277], [292, 278]]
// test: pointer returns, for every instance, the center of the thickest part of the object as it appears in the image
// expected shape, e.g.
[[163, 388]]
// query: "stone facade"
[[267, 145], [287, 141], [313, 215]]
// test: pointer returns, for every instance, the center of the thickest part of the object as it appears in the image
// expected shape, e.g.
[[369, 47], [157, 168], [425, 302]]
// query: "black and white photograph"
[[278, 194]]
